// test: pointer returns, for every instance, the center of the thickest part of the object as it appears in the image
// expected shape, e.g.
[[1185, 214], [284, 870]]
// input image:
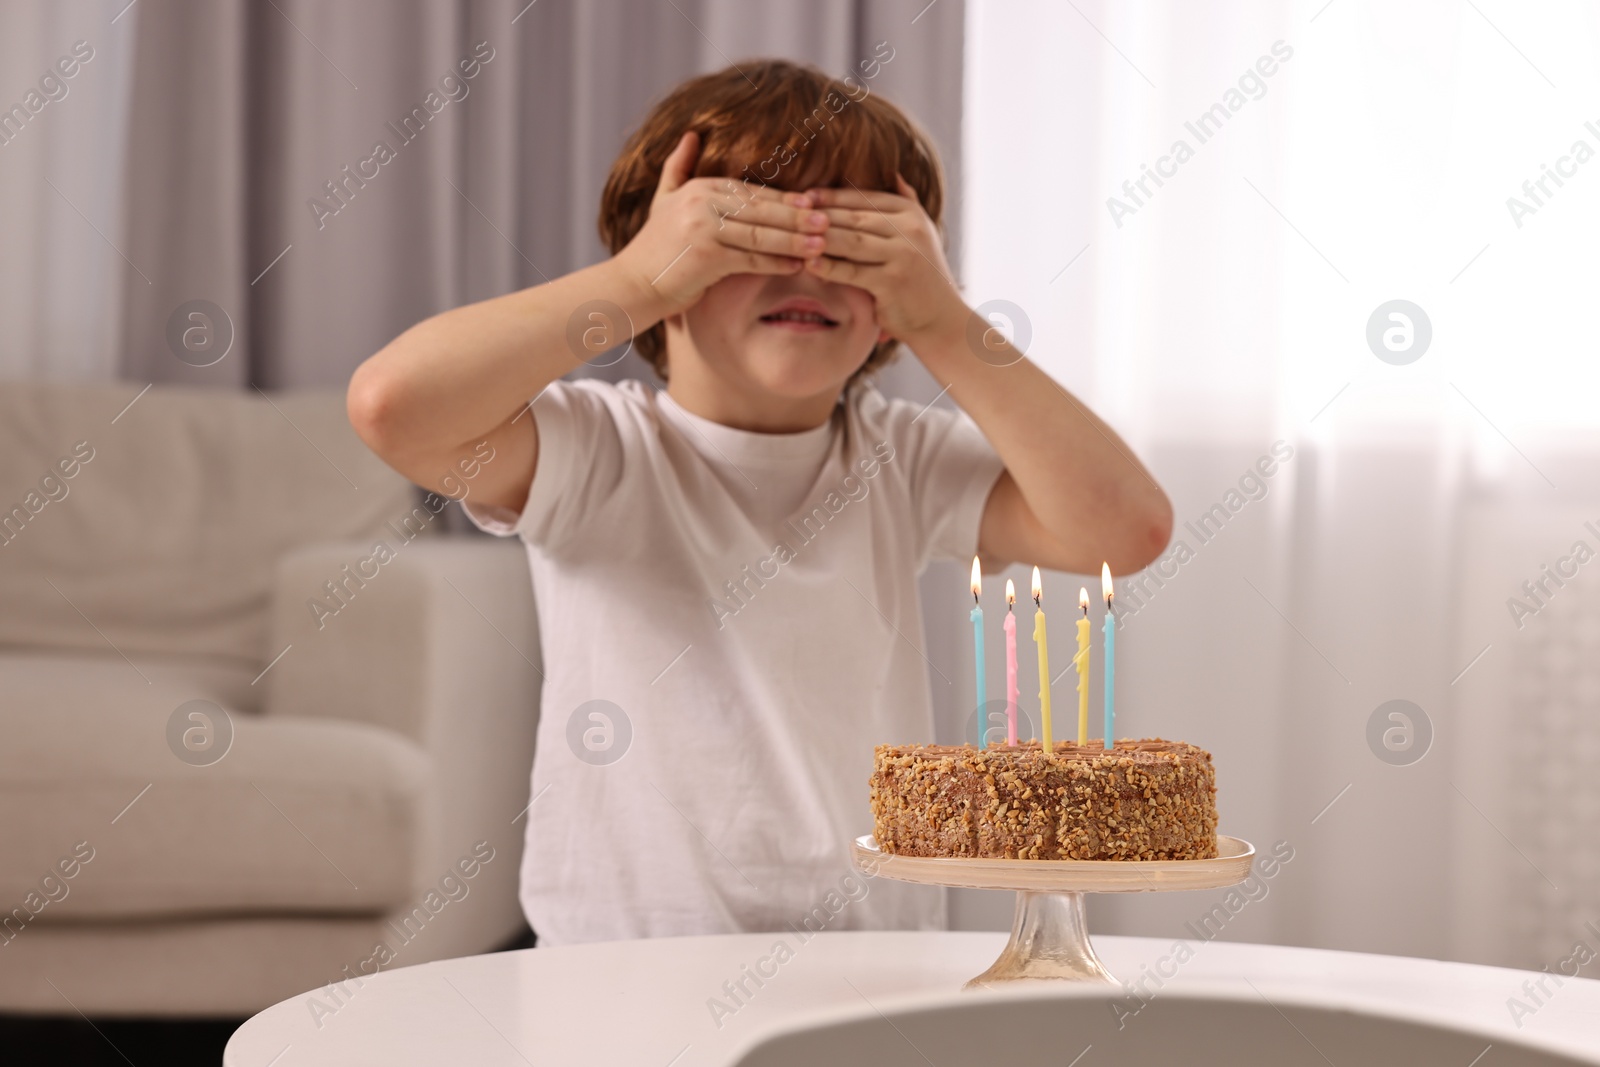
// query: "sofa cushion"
[[156, 527], [301, 815]]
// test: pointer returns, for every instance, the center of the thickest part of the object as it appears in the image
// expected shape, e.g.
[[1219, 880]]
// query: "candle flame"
[[1038, 590], [1011, 593], [1083, 599], [977, 578], [1105, 580]]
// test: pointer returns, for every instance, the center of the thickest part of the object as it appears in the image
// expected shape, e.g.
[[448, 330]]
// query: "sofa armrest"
[[418, 644], [438, 642]]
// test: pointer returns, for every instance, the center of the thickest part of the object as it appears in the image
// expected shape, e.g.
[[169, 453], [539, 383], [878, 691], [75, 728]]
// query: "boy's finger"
[[771, 213], [731, 193], [859, 198], [771, 240], [865, 220], [759, 263], [856, 246], [842, 271], [679, 166]]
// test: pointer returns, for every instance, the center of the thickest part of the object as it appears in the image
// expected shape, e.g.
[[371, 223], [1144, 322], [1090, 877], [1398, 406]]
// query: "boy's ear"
[[883, 335]]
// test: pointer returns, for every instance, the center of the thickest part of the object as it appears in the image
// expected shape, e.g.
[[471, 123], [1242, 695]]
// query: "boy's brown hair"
[[779, 124]]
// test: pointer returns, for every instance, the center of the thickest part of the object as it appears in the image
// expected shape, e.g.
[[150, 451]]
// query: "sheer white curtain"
[[1334, 158], [62, 154]]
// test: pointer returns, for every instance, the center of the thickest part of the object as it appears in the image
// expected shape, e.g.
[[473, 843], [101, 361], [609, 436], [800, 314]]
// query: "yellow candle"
[[1044, 664], [1081, 661]]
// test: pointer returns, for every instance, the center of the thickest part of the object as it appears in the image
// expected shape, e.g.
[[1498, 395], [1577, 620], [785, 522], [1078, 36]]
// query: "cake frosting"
[[1144, 799]]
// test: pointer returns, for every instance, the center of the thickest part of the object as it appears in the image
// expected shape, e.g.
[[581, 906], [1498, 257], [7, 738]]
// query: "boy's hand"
[[700, 230], [887, 245]]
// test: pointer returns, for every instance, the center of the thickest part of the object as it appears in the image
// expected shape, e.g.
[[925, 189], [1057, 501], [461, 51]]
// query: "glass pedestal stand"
[[1049, 937]]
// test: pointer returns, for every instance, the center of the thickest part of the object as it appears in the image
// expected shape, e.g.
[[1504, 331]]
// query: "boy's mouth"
[[800, 314]]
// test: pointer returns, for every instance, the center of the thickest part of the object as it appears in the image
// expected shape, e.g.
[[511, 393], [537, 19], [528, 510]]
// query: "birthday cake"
[[1142, 800]]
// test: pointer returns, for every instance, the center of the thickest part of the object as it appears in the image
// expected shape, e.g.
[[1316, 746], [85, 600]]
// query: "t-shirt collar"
[[748, 446]]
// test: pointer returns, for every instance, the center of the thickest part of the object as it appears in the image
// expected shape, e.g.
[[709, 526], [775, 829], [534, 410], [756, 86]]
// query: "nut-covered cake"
[[1142, 800]]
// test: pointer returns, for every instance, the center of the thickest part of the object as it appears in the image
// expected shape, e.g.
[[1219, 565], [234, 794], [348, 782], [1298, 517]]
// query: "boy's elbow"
[[1160, 525], [369, 404], [1149, 534]]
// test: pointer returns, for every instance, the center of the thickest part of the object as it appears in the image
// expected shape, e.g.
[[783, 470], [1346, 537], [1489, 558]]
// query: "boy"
[[726, 570]]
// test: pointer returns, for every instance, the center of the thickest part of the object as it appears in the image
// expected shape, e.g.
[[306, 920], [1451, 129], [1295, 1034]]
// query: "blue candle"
[[977, 645], [1111, 654]]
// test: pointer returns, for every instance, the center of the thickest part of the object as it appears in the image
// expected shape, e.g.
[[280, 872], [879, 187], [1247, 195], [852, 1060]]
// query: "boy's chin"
[[802, 384], [799, 377]]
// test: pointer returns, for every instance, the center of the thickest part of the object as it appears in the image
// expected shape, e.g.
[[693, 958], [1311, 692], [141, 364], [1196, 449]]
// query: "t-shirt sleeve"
[[579, 466], [952, 468]]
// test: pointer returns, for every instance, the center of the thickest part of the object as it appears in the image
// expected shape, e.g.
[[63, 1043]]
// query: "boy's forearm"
[[1078, 491], [1079, 478], [464, 371]]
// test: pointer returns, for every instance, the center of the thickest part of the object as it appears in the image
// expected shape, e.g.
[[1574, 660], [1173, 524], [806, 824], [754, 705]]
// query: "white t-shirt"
[[746, 606]]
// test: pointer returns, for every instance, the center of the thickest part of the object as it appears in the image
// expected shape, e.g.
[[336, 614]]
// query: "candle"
[[1081, 661], [1010, 628], [1111, 654], [977, 643], [1044, 664]]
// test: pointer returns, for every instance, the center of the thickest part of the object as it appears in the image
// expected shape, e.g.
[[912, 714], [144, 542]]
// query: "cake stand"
[[1049, 938]]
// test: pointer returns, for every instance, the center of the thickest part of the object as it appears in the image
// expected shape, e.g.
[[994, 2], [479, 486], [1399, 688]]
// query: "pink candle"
[[1010, 627]]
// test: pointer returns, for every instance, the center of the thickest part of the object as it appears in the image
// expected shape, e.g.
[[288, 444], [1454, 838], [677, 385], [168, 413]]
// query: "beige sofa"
[[165, 547]]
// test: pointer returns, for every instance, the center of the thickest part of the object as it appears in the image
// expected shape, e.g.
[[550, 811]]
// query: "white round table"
[[678, 1002]]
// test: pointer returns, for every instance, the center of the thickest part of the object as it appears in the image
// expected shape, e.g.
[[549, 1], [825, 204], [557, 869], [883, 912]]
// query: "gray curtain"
[[243, 112]]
